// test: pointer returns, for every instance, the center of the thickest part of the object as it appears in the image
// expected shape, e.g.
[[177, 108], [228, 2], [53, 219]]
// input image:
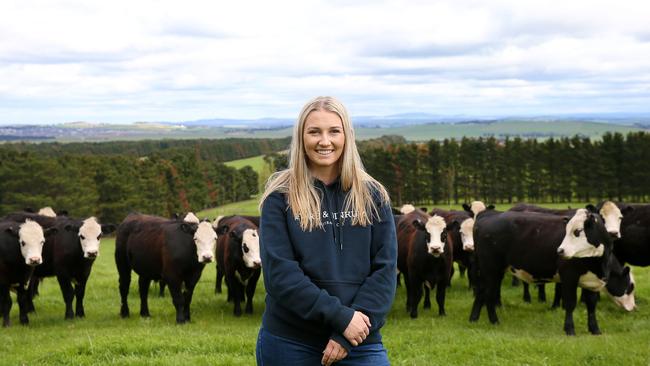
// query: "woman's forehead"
[[322, 118]]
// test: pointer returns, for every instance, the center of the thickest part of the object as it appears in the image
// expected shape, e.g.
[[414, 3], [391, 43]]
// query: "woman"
[[328, 247]]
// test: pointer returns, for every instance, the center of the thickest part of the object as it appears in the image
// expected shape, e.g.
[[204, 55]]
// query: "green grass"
[[528, 333], [256, 162], [248, 207]]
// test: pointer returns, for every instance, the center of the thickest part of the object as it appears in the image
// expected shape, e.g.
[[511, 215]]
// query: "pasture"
[[528, 334]]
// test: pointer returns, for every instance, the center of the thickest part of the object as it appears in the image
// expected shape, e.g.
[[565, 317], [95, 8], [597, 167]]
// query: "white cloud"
[[167, 60]]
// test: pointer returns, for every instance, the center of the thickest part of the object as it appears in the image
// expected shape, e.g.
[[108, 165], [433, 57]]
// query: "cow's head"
[[90, 234], [31, 238], [191, 217], [47, 211], [585, 236], [620, 287], [436, 233], [612, 216], [476, 207], [467, 234], [250, 246], [407, 208], [205, 239]]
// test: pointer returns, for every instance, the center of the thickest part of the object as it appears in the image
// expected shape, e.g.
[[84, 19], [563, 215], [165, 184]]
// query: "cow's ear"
[[566, 219], [108, 228], [11, 230], [29, 209], [424, 209], [590, 221], [175, 216], [71, 227], [591, 208], [222, 229], [490, 207], [50, 231], [188, 227], [468, 209], [454, 225], [418, 224], [62, 213]]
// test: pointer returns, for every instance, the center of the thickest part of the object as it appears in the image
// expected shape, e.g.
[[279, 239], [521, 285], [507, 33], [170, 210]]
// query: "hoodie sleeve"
[[375, 297], [285, 281]]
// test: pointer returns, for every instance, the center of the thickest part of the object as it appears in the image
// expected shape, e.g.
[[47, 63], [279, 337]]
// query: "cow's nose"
[[33, 261], [257, 264], [615, 234], [92, 254], [207, 258]]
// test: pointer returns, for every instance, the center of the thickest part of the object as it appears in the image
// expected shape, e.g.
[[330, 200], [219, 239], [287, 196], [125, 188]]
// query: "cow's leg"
[[526, 292], [5, 304], [541, 292], [177, 299], [415, 295], [68, 295], [124, 272], [479, 301], [190, 284], [219, 280], [441, 290], [557, 296], [80, 293], [591, 299], [569, 300], [493, 295], [22, 294], [398, 281], [161, 288], [427, 297], [408, 291], [143, 287], [32, 290], [461, 270], [236, 289], [250, 291]]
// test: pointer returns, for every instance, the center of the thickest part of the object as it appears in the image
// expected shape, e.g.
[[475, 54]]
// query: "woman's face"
[[324, 138]]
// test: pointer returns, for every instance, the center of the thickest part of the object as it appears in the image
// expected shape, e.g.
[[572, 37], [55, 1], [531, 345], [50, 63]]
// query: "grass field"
[[255, 162], [528, 334]]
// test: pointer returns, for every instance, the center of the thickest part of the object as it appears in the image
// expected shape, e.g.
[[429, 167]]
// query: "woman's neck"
[[327, 175]]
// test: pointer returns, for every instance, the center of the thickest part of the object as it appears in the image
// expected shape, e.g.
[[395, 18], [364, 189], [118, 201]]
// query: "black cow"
[[21, 246], [425, 255], [463, 240], [634, 245], [542, 248], [238, 259], [162, 249]]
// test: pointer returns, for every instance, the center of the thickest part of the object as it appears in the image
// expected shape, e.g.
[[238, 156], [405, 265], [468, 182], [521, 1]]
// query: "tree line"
[[511, 170], [156, 177]]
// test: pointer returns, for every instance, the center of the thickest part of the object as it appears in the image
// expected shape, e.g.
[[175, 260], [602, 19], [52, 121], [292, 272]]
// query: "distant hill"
[[413, 126]]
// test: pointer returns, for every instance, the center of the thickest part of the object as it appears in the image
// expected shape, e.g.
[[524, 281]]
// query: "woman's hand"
[[333, 352], [358, 329]]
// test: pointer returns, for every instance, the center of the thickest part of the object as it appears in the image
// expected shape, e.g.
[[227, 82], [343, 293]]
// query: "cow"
[[238, 260], [425, 255], [542, 248], [608, 210], [462, 238], [633, 247], [21, 247], [47, 211], [162, 249], [69, 255], [476, 207]]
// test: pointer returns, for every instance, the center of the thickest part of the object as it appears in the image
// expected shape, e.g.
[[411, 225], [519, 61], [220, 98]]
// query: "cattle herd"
[[587, 248]]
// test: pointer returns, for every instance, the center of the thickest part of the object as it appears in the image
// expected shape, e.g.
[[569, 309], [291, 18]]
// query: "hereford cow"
[[546, 248], [162, 249], [425, 255], [238, 259], [463, 240], [21, 246]]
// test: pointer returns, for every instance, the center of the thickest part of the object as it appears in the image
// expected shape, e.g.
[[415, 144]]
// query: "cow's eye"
[[577, 232], [22, 243], [99, 236], [631, 288], [245, 248], [82, 237], [443, 236]]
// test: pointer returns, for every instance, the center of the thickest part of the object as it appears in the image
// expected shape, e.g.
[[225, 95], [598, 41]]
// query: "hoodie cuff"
[[340, 339], [342, 319]]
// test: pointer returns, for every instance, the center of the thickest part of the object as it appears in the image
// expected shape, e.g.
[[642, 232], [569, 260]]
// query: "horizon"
[[67, 60]]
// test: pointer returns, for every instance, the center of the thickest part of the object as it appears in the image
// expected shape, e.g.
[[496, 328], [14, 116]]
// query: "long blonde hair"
[[297, 181]]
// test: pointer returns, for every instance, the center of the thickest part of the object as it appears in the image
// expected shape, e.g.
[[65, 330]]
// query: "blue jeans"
[[272, 350]]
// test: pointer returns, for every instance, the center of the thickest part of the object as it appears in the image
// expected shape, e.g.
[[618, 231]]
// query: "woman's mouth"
[[325, 152]]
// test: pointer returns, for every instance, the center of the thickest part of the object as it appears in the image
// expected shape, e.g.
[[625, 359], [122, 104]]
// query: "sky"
[[128, 61]]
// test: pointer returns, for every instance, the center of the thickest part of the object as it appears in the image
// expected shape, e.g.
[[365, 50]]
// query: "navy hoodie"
[[315, 280]]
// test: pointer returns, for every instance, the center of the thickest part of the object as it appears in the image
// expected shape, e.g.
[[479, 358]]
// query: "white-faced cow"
[[463, 239], [425, 255], [238, 259], [542, 248], [47, 211], [21, 247], [162, 249]]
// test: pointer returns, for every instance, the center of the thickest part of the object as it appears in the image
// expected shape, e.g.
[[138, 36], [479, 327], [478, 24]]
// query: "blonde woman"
[[329, 249]]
